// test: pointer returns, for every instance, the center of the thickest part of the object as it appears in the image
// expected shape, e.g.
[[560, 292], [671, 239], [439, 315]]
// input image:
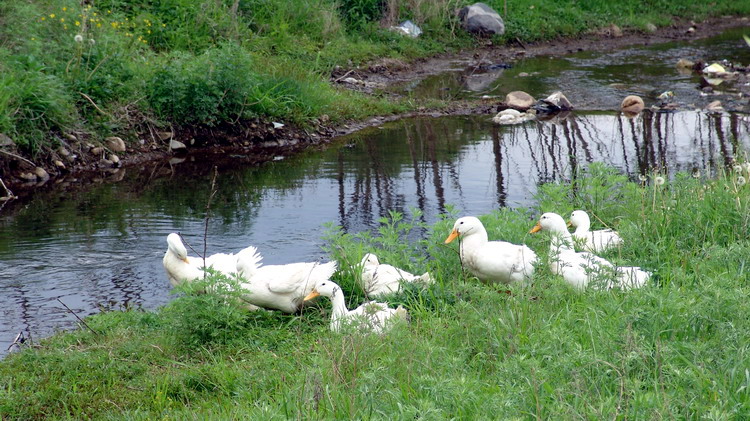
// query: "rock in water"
[[519, 100], [632, 104], [554, 103], [115, 144], [481, 19]]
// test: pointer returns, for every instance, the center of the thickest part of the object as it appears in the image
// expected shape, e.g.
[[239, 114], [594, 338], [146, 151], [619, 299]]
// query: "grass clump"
[[676, 348]]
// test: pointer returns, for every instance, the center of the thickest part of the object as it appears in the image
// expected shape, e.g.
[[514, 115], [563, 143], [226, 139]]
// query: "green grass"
[[677, 348], [219, 62]]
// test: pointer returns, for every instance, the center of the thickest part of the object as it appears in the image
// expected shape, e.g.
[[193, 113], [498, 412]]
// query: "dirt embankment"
[[79, 159]]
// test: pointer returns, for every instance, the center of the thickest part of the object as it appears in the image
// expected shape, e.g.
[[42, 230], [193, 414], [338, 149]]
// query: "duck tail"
[[426, 278], [402, 313], [248, 261]]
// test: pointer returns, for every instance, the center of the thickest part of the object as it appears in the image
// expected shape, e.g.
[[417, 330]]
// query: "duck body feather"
[[280, 287]]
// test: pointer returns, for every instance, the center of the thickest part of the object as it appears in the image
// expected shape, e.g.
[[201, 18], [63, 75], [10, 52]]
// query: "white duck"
[[493, 261], [183, 268], [581, 269], [593, 241], [379, 279], [371, 315], [279, 287]]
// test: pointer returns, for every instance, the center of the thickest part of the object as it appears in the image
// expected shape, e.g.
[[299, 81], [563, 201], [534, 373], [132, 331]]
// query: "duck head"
[[174, 244], [325, 288], [580, 219], [465, 226], [551, 222]]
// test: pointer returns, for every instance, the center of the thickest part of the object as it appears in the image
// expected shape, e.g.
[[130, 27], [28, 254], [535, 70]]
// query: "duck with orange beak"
[[491, 261]]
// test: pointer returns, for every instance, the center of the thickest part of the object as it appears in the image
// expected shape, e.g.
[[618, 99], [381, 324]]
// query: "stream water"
[[101, 246]]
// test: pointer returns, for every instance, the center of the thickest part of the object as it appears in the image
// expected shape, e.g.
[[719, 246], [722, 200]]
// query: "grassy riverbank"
[[678, 348], [121, 68]]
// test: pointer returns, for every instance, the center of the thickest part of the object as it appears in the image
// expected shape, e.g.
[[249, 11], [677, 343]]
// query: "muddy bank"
[[81, 160]]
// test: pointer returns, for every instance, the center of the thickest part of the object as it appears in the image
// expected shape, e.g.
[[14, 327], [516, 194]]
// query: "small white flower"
[[697, 174], [746, 166], [642, 177], [741, 181], [92, 42], [659, 180], [737, 168], [78, 38]]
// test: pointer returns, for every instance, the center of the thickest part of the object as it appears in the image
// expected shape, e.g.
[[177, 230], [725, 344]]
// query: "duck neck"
[[338, 304], [583, 227], [561, 241], [473, 241]]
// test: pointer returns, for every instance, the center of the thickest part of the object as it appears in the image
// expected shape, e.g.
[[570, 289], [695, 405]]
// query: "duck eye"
[[461, 223]]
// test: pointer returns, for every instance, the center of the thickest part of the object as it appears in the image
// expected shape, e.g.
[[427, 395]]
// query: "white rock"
[[115, 144], [176, 144]]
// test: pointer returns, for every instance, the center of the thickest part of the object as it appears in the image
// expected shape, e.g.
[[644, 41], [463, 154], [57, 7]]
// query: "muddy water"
[[598, 81], [102, 246]]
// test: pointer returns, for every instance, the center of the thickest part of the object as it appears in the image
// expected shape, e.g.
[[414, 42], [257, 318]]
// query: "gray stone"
[[62, 151], [5, 140], [176, 145], [164, 135], [650, 27], [481, 19], [114, 158], [59, 164], [632, 104], [519, 100], [115, 144], [714, 106], [685, 64], [555, 102], [97, 150], [27, 176], [41, 174]]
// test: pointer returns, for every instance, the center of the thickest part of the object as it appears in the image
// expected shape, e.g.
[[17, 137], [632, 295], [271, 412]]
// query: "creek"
[[101, 246]]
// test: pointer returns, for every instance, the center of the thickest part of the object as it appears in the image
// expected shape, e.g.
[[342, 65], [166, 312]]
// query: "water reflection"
[[102, 245]]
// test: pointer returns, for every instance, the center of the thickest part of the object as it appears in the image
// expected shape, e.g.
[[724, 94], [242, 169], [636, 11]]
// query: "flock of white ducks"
[[287, 287]]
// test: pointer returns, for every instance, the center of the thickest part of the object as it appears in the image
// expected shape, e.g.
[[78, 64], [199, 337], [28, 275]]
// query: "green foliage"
[[209, 313], [358, 13]]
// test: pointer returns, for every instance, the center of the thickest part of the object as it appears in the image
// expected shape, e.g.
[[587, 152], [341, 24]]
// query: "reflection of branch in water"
[[726, 153], [579, 137], [734, 130], [621, 131], [640, 152], [501, 195], [342, 189], [571, 144], [436, 179], [421, 199]]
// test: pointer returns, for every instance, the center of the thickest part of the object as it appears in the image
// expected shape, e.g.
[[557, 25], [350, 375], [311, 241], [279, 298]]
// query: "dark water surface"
[[102, 246]]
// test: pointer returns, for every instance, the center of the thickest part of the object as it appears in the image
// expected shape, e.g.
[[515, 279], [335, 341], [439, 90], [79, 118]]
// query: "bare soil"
[[258, 141]]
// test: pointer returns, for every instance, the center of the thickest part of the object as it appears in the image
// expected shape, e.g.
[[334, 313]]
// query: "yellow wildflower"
[[65, 8], [44, 18], [98, 25], [52, 15], [62, 19], [78, 23]]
